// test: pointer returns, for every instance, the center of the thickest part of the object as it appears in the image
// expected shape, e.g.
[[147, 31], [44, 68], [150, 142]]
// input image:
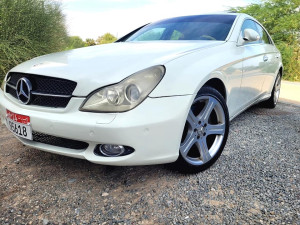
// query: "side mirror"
[[250, 35]]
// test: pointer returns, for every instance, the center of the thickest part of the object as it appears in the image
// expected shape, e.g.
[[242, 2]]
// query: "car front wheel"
[[205, 132]]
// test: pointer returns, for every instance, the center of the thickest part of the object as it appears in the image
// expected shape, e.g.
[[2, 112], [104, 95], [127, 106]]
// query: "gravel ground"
[[255, 181]]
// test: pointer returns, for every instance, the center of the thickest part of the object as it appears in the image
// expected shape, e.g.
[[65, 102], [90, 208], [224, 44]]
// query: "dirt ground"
[[255, 181]]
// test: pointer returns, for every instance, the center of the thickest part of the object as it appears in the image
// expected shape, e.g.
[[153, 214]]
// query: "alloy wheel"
[[277, 89], [204, 131]]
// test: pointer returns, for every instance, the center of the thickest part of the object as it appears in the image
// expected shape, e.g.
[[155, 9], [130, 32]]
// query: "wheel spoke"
[[192, 119], [203, 150], [277, 89], [208, 109], [218, 129], [277, 94], [187, 144], [278, 84]]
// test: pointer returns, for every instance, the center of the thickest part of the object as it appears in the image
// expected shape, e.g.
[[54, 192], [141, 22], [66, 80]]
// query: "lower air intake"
[[58, 141]]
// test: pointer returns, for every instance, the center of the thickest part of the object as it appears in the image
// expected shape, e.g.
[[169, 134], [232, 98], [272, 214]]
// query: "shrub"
[[75, 42], [290, 60], [29, 28]]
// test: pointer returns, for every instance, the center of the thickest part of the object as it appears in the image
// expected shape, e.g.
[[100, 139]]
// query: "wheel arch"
[[281, 71], [217, 84]]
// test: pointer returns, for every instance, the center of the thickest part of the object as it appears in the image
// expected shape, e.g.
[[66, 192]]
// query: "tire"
[[205, 132], [272, 101]]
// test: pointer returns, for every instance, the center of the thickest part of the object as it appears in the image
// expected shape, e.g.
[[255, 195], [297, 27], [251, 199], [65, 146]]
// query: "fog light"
[[108, 150], [112, 150]]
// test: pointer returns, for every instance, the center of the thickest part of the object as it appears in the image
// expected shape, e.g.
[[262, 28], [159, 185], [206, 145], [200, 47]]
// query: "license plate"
[[19, 124]]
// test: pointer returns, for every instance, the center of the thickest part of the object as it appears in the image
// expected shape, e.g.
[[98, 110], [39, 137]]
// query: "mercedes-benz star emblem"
[[23, 90]]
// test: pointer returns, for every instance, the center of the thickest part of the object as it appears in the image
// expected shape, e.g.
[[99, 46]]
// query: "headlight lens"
[[125, 95]]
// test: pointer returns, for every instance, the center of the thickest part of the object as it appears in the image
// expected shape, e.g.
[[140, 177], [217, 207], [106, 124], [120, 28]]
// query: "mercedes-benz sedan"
[[164, 93]]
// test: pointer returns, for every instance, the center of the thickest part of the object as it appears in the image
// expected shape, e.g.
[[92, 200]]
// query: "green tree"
[[29, 28], [282, 20], [90, 42], [105, 39], [75, 42]]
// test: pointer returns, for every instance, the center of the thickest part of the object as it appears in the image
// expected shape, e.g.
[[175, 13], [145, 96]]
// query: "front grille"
[[48, 101], [44, 84], [46, 91], [58, 141]]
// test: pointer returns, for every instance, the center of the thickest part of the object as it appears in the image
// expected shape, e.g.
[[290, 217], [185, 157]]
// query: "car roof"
[[238, 15]]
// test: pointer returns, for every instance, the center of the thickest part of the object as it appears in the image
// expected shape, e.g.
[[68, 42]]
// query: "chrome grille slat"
[[11, 86], [51, 95]]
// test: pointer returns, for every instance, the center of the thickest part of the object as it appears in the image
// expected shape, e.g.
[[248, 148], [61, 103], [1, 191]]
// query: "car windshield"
[[203, 27]]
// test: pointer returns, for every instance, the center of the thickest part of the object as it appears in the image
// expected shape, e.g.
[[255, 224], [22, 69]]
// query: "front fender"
[[187, 74]]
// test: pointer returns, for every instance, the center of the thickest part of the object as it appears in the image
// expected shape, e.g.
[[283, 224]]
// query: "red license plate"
[[18, 117], [19, 124]]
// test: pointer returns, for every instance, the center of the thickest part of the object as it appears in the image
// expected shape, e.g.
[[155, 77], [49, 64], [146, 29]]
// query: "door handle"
[[265, 58]]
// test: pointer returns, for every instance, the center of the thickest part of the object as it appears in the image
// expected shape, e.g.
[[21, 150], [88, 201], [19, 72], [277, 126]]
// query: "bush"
[[106, 39], [290, 60], [29, 28], [75, 42]]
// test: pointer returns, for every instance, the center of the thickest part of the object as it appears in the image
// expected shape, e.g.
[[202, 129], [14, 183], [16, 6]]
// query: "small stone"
[[17, 161], [168, 204], [70, 181], [104, 194], [45, 221]]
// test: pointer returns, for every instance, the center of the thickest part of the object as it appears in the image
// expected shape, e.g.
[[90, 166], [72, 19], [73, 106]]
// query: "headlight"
[[125, 95]]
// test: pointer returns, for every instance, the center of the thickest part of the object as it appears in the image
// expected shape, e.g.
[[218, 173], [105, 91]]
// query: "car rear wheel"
[[272, 101], [205, 132]]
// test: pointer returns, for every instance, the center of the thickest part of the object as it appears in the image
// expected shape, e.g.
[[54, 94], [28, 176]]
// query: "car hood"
[[98, 66]]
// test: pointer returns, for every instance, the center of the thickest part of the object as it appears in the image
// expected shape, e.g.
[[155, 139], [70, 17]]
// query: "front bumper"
[[153, 129]]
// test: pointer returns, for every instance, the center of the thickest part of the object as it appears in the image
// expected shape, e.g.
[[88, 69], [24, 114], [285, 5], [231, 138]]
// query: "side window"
[[154, 34], [264, 38], [176, 35], [249, 24]]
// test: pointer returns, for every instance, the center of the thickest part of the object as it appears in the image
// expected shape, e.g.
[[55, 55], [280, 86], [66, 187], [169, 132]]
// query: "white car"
[[163, 93]]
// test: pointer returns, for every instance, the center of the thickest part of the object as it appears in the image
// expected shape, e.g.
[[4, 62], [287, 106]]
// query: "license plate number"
[[19, 124]]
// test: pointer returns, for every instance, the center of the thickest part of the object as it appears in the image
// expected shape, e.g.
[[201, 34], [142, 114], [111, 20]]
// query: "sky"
[[93, 18]]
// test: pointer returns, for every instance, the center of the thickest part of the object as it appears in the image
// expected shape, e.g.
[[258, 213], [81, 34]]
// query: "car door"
[[254, 58], [271, 60]]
